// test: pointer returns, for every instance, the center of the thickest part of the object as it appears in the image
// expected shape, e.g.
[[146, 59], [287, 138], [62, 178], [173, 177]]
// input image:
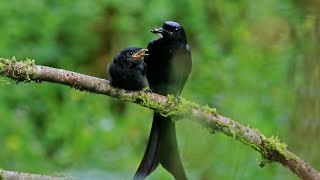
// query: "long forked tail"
[[162, 148]]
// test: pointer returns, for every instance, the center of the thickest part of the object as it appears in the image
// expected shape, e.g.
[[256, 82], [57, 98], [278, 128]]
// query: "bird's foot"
[[147, 90], [178, 100]]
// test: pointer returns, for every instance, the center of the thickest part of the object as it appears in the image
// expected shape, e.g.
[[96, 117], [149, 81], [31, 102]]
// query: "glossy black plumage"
[[128, 70], [169, 65]]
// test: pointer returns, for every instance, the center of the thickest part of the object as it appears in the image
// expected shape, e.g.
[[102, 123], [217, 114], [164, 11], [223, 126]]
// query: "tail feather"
[[169, 151], [150, 160], [162, 148]]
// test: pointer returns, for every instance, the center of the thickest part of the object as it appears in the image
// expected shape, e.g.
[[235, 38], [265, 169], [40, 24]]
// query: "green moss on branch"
[[20, 73]]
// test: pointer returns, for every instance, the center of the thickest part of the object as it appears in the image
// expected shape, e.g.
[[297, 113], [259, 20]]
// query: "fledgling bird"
[[128, 70], [169, 65]]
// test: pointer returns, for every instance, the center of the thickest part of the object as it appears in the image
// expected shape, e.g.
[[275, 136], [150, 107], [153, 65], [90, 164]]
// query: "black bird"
[[128, 71], [169, 65]]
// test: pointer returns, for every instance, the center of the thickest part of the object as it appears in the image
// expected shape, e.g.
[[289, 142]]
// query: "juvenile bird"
[[128, 71], [169, 65]]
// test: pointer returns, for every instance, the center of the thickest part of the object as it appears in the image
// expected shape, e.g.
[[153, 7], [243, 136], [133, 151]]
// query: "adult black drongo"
[[128, 71], [169, 65]]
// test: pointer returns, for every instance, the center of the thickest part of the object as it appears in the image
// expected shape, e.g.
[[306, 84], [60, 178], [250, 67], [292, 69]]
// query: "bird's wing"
[[182, 65]]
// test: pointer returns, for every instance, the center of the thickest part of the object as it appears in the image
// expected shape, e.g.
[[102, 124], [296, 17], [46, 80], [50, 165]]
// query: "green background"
[[257, 62]]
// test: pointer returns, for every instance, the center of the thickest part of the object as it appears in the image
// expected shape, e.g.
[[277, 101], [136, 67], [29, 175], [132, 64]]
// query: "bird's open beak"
[[141, 53], [158, 31]]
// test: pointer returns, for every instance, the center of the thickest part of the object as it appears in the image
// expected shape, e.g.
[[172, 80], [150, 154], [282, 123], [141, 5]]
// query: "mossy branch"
[[271, 148]]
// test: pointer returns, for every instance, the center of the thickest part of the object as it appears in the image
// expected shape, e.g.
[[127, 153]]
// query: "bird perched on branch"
[[128, 71], [169, 65]]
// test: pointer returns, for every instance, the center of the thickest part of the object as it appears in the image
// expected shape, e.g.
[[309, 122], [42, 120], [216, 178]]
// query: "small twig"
[[11, 175]]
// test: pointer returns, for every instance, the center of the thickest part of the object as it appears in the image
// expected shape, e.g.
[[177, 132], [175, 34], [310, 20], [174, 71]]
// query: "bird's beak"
[[158, 31], [141, 53]]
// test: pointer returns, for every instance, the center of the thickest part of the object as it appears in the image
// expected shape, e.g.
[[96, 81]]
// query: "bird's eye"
[[130, 52], [176, 29]]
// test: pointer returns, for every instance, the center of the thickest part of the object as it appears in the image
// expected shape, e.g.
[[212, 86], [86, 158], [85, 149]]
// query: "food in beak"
[[157, 31]]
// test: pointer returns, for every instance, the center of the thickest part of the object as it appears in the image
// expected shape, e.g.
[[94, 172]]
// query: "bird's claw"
[[147, 90], [178, 99]]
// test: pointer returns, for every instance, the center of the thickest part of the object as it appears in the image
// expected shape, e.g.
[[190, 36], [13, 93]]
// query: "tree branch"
[[11, 175], [271, 149]]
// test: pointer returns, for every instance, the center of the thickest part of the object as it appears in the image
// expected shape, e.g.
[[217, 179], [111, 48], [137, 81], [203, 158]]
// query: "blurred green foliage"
[[248, 62]]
